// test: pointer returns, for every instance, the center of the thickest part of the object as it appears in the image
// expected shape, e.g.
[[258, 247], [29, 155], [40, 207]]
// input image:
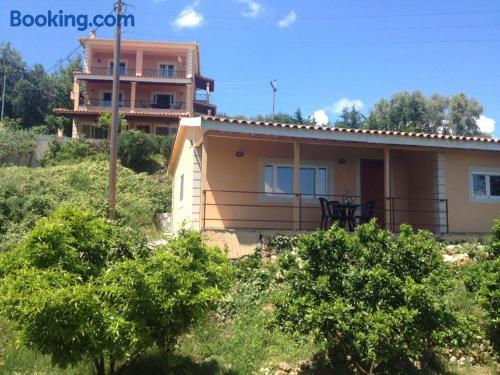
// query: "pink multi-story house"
[[160, 82]]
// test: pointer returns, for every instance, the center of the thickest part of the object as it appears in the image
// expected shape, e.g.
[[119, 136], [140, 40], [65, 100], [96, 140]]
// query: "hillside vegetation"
[[27, 194]]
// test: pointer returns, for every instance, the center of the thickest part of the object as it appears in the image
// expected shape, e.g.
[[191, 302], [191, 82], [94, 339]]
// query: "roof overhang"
[[185, 123], [323, 133]]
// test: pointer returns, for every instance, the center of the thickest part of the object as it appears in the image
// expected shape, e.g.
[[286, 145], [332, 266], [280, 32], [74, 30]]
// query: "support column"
[[204, 182], [296, 187], [138, 62], [76, 94], [190, 89], [133, 88], [387, 188], [440, 205], [88, 59]]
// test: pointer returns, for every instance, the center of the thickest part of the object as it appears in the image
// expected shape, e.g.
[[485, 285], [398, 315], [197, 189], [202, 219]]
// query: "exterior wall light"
[[341, 161], [239, 154]]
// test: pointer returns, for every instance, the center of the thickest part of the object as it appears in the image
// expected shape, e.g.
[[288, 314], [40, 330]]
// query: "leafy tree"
[[375, 303], [351, 118], [438, 114], [11, 64], [62, 81], [463, 115], [80, 288]]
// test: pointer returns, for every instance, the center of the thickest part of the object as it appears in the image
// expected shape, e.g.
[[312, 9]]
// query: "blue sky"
[[323, 53]]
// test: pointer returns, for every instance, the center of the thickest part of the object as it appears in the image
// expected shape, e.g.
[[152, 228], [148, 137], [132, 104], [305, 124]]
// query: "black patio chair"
[[366, 213], [329, 213]]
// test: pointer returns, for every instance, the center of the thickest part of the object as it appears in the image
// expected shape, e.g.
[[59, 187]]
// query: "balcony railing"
[[226, 209], [128, 72], [127, 104]]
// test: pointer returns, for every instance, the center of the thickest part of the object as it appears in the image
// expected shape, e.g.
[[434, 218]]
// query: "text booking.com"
[[59, 19]]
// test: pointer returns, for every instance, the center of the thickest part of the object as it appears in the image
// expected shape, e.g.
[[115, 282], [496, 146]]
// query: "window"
[[164, 101], [123, 68], [181, 188], [107, 98], [166, 70], [485, 185], [313, 181], [91, 131]]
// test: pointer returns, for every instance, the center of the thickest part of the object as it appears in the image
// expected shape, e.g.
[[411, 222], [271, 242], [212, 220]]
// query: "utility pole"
[[3, 95], [274, 85], [115, 114]]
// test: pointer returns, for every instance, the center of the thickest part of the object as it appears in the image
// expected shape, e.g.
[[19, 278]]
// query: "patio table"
[[347, 211]]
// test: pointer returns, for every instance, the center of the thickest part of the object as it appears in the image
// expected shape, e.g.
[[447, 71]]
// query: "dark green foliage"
[[74, 152], [351, 118], [373, 302], [484, 279], [79, 287], [140, 151], [136, 149], [31, 92]]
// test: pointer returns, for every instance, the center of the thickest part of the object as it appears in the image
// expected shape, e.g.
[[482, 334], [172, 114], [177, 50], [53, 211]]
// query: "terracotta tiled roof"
[[348, 130], [84, 112]]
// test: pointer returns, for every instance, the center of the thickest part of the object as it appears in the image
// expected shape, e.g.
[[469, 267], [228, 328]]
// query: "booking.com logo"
[[59, 19]]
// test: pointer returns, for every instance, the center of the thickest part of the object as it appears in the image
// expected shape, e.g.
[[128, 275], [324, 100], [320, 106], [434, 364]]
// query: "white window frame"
[[167, 63], [487, 172], [181, 189], [285, 196]]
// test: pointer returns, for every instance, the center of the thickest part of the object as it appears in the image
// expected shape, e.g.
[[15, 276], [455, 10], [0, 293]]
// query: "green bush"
[[27, 194], [79, 287], [16, 146], [74, 152], [494, 244], [375, 303], [136, 149]]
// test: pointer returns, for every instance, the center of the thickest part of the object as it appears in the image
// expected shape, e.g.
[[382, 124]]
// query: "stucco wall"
[[464, 215], [229, 177], [182, 211]]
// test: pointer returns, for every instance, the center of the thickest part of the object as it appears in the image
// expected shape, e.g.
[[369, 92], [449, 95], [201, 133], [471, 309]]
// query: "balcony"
[[100, 73], [202, 104], [126, 105]]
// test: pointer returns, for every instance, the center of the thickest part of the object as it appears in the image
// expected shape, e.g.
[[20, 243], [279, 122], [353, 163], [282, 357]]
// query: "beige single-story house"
[[240, 180]]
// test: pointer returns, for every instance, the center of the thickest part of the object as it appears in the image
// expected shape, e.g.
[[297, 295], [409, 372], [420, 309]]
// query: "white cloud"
[[286, 21], [320, 117], [188, 18], [339, 105], [254, 8], [486, 124]]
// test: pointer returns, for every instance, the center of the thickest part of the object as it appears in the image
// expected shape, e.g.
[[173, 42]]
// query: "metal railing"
[[229, 209], [91, 102], [131, 72]]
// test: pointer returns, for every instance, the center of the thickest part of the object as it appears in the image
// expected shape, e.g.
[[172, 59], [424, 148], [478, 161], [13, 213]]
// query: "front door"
[[372, 186]]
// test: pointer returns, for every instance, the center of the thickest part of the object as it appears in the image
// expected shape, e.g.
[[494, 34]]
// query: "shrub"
[[79, 287], [494, 244], [375, 303], [136, 149], [16, 145], [74, 152]]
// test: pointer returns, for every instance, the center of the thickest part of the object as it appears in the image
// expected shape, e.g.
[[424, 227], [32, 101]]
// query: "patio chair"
[[366, 213], [329, 213]]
